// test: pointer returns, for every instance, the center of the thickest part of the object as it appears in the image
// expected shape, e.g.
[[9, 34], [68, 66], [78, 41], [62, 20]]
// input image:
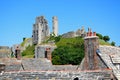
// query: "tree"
[[99, 35], [57, 39], [106, 38], [24, 38], [113, 43], [68, 51]]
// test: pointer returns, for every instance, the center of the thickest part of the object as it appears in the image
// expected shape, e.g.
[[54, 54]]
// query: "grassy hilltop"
[[68, 51]]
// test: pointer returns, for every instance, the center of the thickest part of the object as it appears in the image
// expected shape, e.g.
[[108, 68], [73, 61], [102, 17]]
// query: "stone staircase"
[[104, 54]]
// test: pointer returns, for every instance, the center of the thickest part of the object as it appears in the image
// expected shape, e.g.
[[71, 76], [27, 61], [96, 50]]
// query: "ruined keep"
[[55, 25], [40, 30]]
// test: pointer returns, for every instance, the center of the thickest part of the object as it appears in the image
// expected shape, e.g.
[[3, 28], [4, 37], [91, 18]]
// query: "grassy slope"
[[102, 42], [29, 52]]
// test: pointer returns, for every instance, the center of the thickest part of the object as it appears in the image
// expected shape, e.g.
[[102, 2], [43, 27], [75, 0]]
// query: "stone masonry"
[[40, 30], [92, 61], [41, 68], [56, 75], [55, 25], [80, 32], [5, 52], [44, 51]]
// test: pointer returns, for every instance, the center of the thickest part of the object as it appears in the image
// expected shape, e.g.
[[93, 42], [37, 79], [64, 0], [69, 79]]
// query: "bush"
[[106, 38], [113, 43], [99, 35]]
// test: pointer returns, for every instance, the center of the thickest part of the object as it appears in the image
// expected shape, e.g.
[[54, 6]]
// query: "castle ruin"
[[40, 30], [99, 63], [80, 32], [55, 25]]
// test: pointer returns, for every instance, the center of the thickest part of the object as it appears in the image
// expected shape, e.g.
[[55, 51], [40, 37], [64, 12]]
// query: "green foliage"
[[103, 40], [113, 43], [106, 38], [99, 35], [29, 52], [53, 38], [24, 41], [24, 38], [68, 51], [57, 38], [12, 54]]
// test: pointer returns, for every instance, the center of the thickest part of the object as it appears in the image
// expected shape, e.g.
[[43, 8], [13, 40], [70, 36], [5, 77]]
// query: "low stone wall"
[[4, 52], [56, 75]]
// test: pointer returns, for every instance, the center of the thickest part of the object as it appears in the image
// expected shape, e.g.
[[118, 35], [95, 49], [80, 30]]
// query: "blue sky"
[[18, 16]]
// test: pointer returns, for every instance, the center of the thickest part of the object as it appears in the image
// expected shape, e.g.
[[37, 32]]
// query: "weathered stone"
[[44, 51], [57, 75], [71, 34], [92, 61], [5, 52], [40, 30], [55, 25]]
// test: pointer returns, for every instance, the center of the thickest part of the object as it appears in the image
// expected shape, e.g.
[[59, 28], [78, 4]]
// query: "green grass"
[[74, 44], [29, 52], [28, 56], [26, 40], [70, 41], [102, 42]]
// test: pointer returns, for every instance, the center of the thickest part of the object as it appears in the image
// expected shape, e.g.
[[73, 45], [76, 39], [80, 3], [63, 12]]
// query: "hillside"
[[71, 50], [68, 51]]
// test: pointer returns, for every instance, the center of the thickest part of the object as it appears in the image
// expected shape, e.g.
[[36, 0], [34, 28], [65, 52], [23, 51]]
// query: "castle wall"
[[80, 32]]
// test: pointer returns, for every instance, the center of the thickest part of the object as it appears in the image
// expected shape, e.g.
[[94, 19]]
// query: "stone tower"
[[40, 30], [91, 45], [55, 25]]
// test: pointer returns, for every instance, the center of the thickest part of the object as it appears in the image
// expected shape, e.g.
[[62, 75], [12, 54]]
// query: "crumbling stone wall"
[[80, 32], [40, 30]]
